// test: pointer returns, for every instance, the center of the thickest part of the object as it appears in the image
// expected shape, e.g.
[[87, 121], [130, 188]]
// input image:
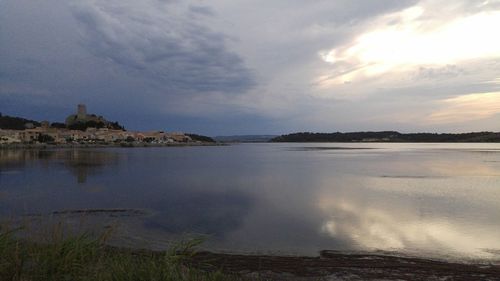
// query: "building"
[[82, 111], [9, 136], [81, 116]]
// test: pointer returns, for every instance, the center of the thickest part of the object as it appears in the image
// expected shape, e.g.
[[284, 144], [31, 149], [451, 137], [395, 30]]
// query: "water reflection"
[[320, 148], [213, 213], [83, 163], [422, 202], [373, 228], [80, 162], [10, 159], [418, 198]]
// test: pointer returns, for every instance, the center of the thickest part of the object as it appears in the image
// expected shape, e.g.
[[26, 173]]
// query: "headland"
[[86, 130]]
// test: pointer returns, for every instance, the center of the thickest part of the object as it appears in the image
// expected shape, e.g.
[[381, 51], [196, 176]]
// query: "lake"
[[431, 200]]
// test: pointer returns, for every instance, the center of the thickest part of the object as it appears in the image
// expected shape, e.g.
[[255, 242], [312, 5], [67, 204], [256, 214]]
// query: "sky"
[[225, 67]]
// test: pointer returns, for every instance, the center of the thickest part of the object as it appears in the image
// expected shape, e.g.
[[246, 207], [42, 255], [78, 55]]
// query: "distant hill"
[[15, 123], [388, 136], [245, 138]]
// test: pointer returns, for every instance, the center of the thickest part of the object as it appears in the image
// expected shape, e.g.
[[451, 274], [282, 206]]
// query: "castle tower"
[[45, 125], [82, 111]]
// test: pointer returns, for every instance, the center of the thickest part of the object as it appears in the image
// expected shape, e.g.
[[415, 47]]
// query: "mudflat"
[[330, 265]]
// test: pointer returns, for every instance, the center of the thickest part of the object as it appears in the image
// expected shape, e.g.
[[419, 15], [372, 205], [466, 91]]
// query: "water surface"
[[423, 199]]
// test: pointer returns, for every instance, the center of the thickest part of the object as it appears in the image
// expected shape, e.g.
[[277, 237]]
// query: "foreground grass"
[[83, 257]]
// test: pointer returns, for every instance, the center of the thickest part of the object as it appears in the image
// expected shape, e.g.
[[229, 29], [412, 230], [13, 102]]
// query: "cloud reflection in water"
[[397, 219]]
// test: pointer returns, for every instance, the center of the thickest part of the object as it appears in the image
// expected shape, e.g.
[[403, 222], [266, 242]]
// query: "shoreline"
[[124, 145], [211, 265], [333, 265], [328, 265]]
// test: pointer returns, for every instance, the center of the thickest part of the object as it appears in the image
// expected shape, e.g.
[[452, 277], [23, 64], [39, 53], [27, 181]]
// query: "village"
[[83, 129]]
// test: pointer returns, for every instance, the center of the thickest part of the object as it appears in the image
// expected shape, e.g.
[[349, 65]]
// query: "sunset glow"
[[409, 38]]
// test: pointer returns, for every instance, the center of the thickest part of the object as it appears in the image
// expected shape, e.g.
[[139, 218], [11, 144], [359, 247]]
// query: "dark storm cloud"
[[161, 43], [144, 63]]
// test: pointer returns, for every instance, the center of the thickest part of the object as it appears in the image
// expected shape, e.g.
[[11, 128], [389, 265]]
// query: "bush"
[[45, 138], [58, 125]]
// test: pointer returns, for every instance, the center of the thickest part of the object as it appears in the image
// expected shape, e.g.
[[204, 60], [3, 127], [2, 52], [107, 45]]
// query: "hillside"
[[388, 136], [245, 138], [15, 123]]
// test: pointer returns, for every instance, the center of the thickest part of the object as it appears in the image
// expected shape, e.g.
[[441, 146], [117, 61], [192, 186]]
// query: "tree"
[[58, 125], [45, 138], [201, 138], [15, 123], [82, 126], [116, 126]]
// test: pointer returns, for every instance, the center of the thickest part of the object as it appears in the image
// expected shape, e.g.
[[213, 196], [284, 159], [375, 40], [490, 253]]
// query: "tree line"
[[388, 136], [15, 123]]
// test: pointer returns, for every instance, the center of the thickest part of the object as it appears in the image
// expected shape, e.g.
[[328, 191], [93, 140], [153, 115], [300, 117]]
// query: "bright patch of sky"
[[408, 38]]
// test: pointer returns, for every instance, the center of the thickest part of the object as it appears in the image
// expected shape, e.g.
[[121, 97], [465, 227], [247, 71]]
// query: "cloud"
[[417, 36], [146, 63], [440, 72], [202, 10], [158, 41], [469, 107], [279, 66]]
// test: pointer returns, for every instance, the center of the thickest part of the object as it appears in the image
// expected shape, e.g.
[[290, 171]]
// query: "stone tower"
[[82, 111]]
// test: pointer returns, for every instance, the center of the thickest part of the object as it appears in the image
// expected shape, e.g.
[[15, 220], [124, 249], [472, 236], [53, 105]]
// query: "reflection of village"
[[80, 163], [46, 133]]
